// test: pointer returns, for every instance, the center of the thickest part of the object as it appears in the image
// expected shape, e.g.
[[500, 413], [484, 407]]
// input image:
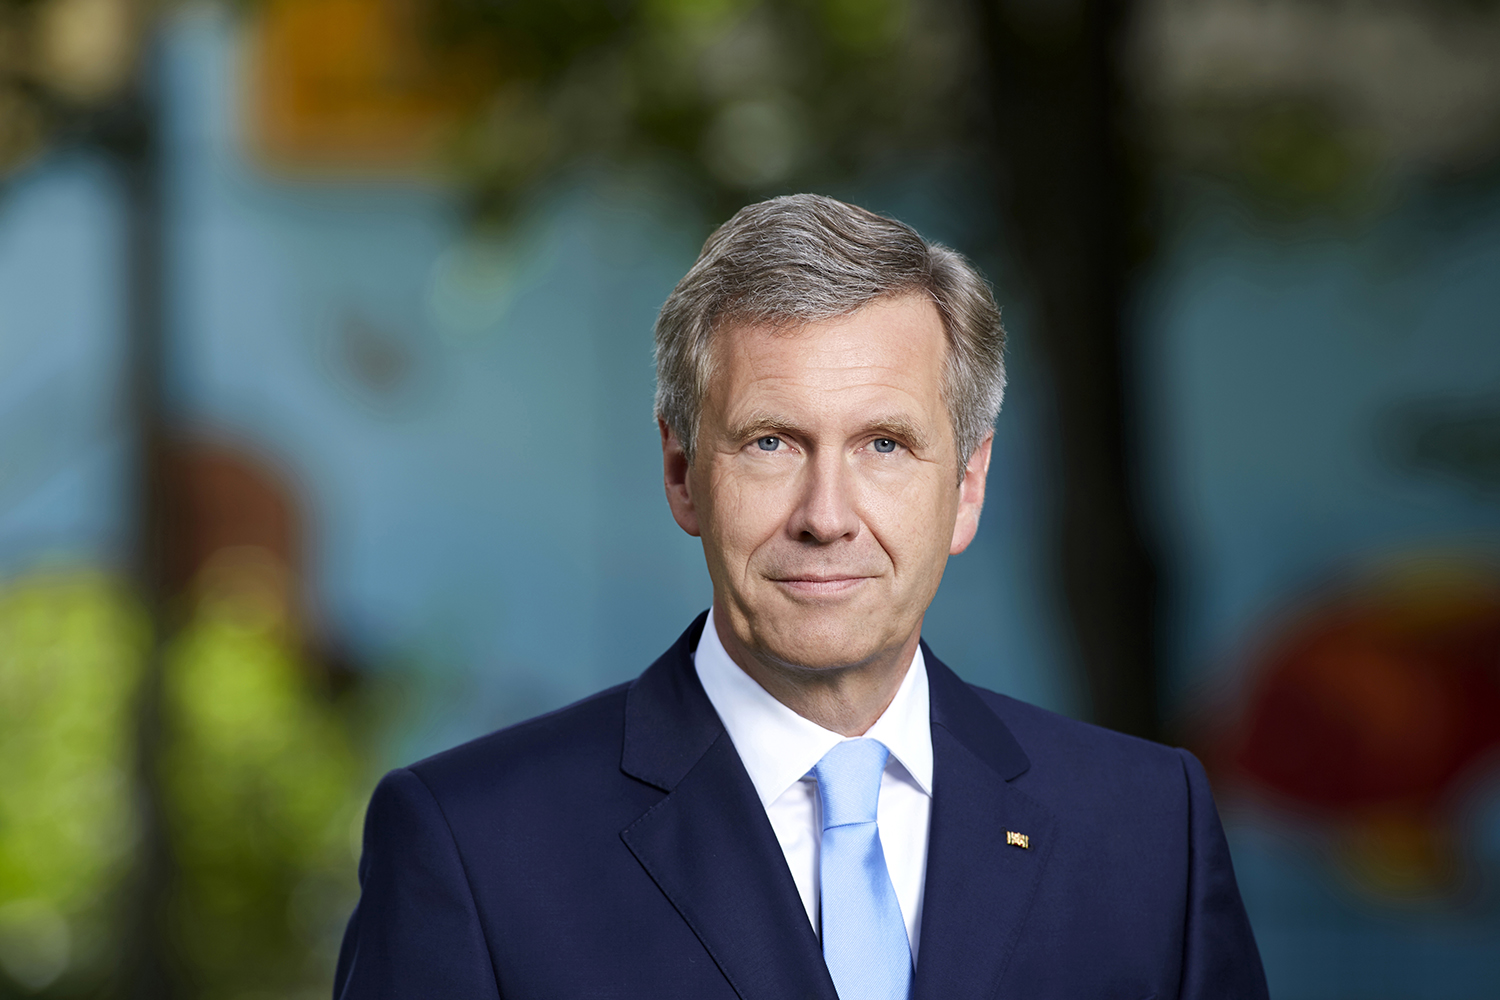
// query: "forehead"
[[891, 347]]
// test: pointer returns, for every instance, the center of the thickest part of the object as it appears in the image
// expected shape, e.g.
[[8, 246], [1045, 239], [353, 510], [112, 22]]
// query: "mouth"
[[820, 585]]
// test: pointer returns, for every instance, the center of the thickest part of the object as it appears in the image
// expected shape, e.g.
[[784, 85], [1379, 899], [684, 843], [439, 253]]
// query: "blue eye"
[[769, 443], [884, 445]]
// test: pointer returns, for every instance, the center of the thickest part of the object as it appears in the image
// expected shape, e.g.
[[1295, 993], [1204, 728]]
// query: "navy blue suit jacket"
[[617, 848]]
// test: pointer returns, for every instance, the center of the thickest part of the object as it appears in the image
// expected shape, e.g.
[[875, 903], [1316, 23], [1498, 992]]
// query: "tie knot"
[[849, 781]]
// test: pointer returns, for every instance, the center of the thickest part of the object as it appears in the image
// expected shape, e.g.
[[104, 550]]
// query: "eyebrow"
[[764, 422], [758, 423]]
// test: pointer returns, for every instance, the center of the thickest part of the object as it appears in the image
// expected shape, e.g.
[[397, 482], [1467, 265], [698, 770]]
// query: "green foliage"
[[1296, 156], [1288, 158], [261, 777], [1300, 109], [743, 96], [69, 669], [264, 786]]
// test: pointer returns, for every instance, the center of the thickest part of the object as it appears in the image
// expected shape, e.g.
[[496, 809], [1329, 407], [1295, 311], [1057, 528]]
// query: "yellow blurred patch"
[[353, 86]]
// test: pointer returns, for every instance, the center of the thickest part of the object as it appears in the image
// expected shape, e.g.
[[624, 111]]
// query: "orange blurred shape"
[[354, 86], [1379, 701], [1401, 854]]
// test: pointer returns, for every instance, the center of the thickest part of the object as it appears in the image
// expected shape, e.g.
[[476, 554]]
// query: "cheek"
[[913, 523], [745, 512]]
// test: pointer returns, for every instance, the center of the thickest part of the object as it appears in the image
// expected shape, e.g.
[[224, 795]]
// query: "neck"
[[846, 700]]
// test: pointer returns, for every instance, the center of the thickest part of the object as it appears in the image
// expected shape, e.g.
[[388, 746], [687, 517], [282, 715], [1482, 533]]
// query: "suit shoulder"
[[1066, 750], [557, 746]]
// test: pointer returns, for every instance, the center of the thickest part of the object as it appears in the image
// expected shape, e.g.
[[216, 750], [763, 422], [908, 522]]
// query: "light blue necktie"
[[864, 937]]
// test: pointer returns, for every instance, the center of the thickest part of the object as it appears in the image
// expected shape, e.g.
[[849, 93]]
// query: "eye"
[[768, 443], [883, 445]]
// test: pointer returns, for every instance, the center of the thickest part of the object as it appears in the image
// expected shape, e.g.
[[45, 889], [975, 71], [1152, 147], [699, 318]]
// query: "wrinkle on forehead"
[[732, 329], [836, 369]]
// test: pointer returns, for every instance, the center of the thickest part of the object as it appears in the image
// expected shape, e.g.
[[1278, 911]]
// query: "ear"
[[675, 468], [970, 497]]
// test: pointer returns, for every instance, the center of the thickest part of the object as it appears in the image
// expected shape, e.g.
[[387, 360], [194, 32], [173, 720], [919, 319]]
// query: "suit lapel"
[[708, 844], [979, 887]]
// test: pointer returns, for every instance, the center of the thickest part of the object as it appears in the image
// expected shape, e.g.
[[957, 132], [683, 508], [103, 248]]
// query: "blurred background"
[[326, 437]]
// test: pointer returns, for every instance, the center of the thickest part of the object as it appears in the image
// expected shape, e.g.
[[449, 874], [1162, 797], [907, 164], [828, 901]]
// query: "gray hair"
[[804, 258]]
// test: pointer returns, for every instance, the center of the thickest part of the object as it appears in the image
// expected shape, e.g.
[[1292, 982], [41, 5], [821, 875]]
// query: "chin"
[[814, 642]]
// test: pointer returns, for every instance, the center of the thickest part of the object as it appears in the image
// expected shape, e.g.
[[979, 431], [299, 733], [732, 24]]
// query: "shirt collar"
[[779, 747]]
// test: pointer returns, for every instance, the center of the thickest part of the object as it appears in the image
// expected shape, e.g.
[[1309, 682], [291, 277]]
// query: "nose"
[[825, 510]]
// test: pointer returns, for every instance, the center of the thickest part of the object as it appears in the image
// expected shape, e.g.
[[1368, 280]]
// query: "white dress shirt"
[[780, 747]]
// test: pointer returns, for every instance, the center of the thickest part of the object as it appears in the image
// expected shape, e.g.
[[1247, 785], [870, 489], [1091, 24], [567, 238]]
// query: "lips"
[[821, 585]]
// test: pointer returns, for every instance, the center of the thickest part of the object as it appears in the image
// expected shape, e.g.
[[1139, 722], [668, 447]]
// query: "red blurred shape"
[[1384, 697], [226, 497]]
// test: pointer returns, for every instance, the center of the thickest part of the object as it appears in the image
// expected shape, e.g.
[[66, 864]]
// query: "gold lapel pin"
[[1017, 839]]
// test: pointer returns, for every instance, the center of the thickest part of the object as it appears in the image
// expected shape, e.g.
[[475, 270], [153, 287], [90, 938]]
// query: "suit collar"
[[779, 747], [669, 721], [956, 708], [979, 886], [708, 844]]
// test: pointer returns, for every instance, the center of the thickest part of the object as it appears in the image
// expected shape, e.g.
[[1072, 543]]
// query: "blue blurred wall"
[[486, 510], [1283, 365], [489, 510]]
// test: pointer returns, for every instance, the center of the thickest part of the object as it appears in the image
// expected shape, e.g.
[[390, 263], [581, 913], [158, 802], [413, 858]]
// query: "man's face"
[[825, 484]]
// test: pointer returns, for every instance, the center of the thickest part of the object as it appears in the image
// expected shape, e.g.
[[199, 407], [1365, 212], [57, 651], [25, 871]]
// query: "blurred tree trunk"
[[131, 132], [1074, 200]]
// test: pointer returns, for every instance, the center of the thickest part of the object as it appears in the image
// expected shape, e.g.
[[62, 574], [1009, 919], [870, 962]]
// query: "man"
[[798, 799]]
